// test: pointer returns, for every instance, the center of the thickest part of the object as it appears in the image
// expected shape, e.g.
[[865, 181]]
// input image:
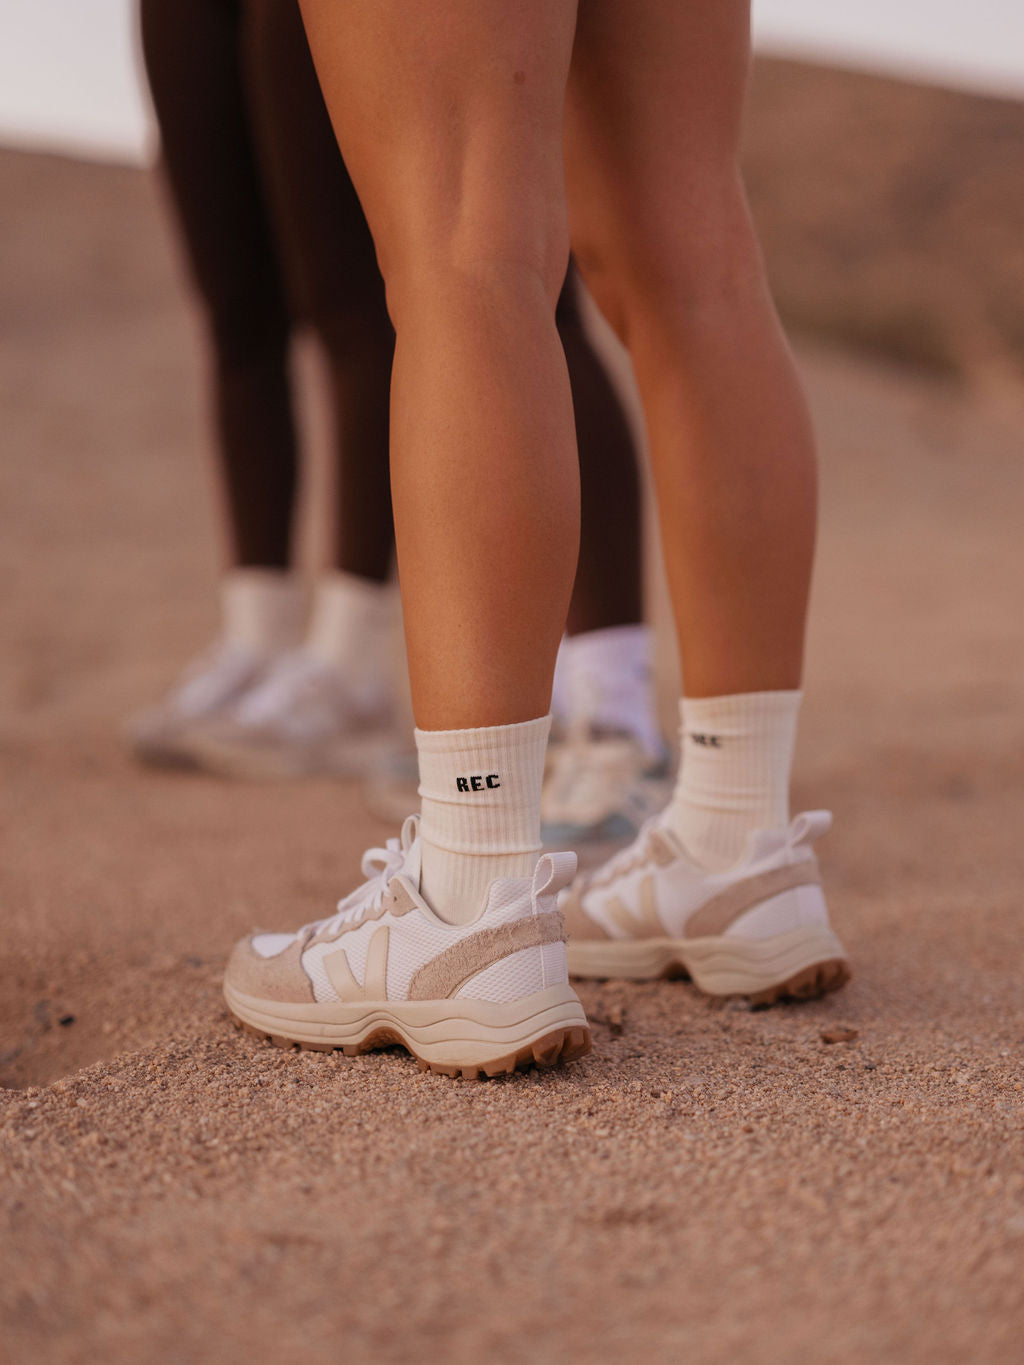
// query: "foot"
[[207, 691], [759, 929], [600, 788], [479, 998], [302, 720]]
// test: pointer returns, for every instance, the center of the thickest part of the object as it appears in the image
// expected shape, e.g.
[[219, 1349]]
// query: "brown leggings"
[[275, 237]]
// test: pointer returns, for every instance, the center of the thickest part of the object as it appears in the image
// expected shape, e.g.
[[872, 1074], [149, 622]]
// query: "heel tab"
[[808, 826], [553, 874]]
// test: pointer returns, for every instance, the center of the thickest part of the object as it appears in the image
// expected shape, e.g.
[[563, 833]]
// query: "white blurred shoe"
[[301, 720], [600, 789], [759, 929], [207, 691], [485, 997]]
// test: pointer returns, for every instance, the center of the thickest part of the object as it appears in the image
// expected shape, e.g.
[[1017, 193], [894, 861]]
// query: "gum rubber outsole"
[[800, 964], [813, 982], [821, 978], [560, 1045]]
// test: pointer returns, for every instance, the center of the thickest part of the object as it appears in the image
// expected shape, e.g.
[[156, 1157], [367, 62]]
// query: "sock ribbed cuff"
[[736, 756], [480, 792], [481, 788]]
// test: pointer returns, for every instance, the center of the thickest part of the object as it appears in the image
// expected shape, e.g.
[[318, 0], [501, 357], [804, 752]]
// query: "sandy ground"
[[711, 1184]]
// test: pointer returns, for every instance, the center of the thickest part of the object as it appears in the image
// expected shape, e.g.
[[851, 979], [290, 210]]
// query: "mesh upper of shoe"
[[415, 938], [681, 886], [522, 973], [417, 935]]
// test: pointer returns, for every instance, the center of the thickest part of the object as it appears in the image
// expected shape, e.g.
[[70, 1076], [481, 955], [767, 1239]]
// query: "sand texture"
[[712, 1184]]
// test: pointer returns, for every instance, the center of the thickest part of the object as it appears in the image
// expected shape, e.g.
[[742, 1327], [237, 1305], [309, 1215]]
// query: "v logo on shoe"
[[374, 986], [644, 923]]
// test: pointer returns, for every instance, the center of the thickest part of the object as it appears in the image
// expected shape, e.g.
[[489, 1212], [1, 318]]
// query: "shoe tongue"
[[413, 864]]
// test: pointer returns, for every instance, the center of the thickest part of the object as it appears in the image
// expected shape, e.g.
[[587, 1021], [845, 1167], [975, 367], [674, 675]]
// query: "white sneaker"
[[487, 997], [758, 929], [164, 734], [599, 788], [300, 721]]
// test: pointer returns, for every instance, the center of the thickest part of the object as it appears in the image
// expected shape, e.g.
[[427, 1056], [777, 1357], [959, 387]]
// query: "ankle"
[[736, 757], [480, 792]]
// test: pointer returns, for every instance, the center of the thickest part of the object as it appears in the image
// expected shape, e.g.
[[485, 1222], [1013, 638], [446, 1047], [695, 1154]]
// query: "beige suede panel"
[[398, 900], [578, 923], [660, 848], [715, 916], [269, 978], [442, 976]]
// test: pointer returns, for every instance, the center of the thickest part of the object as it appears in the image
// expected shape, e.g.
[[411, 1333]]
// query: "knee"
[[437, 257], [671, 263]]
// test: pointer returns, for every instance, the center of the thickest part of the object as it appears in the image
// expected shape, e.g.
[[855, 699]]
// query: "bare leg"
[[609, 584], [663, 236], [333, 280], [450, 119], [193, 52]]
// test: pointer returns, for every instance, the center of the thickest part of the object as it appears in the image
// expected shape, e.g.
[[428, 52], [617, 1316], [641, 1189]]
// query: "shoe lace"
[[378, 866]]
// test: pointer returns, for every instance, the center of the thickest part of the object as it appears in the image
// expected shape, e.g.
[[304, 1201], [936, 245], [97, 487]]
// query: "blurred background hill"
[[892, 215]]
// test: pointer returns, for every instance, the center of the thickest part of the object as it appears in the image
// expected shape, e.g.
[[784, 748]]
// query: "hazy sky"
[[977, 43], [67, 76]]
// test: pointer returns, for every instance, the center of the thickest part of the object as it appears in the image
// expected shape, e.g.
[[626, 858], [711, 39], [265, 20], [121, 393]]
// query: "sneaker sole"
[[802, 965], [353, 757], [471, 1038]]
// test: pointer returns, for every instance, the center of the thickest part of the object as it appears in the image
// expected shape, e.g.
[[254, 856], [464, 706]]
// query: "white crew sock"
[[352, 627], [736, 756], [481, 811], [607, 683], [261, 609]]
